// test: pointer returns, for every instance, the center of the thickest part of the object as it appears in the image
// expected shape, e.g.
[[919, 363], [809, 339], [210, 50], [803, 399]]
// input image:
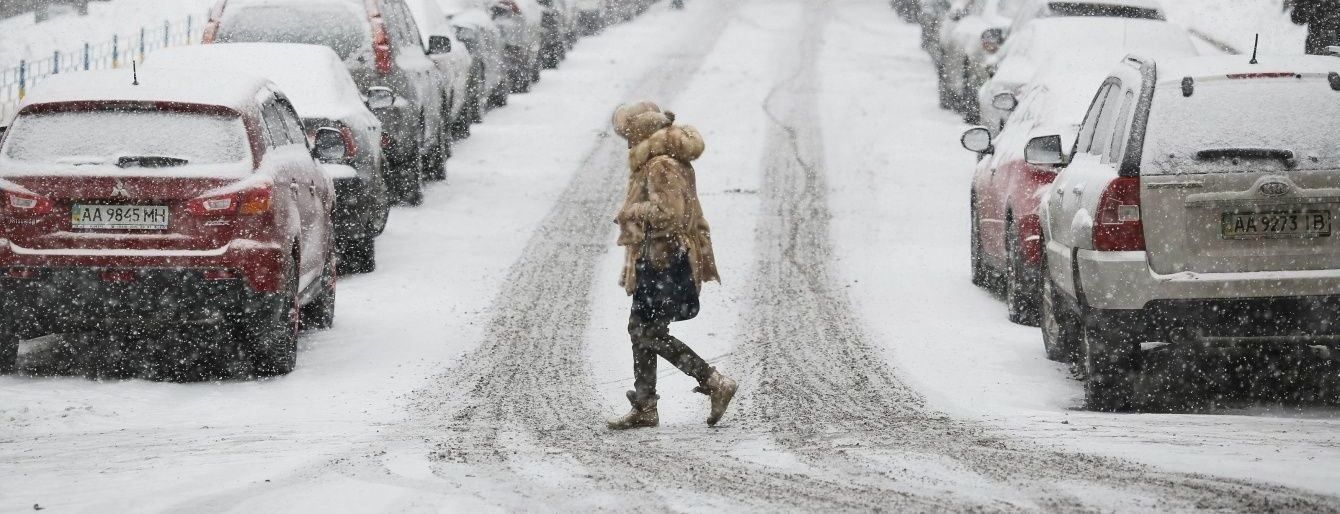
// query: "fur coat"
[[661, 212]]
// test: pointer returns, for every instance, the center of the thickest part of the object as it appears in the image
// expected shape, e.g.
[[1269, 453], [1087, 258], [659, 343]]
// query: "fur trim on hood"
[[680, 142], [636, 121]]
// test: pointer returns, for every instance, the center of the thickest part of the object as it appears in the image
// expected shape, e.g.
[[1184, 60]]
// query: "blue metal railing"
[[17, 80]]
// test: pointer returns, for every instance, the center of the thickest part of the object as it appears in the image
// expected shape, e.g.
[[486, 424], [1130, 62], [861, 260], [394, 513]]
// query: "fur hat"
[[637, 121]]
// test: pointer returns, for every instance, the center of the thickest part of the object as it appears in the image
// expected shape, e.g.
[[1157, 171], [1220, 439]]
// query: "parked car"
[[591, 16], [974, 30], [181, 200], [454, 62], [1131, 9], [380, 44], [906, 9], [1196, 209], [316, 81], [559, 22], [1006, 189], [932, 14], [1073, 44], [522, 31], [476, 29]]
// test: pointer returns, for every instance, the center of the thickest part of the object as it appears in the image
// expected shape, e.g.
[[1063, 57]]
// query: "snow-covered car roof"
[[312, 76], [1174, 70], [236, 91], [1068, 95], [1142, 4], [1072, 43]]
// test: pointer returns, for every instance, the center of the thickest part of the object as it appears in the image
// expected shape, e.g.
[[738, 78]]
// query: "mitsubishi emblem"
[[120, 190]]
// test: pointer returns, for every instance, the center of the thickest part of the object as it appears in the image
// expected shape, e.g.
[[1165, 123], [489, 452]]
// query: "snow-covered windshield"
[[1105, 10], [336, 25], [119, 137], [1288, 114]]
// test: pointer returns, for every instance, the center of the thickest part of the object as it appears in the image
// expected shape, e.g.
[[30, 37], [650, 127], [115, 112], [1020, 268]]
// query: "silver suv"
[[1196, 209]]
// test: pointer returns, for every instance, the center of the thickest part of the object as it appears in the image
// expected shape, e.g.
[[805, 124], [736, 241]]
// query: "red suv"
[[177, 200]]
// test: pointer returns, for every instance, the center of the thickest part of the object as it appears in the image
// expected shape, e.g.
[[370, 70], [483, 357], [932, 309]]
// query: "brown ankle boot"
[[721, 390], [643, 415]]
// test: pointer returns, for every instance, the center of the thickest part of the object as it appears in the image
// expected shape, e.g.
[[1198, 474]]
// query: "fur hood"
[[680, 142]]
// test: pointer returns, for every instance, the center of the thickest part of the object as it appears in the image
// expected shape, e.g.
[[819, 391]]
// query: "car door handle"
[[1078, 190]]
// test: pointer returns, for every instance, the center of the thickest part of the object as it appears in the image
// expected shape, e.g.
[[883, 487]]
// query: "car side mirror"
[[439, 45], [380, 97], [977, 139], [329, 147], [1005, 101], [1045, 151]]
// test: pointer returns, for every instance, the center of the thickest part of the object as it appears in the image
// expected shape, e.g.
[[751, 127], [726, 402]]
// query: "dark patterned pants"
[[652, 339]]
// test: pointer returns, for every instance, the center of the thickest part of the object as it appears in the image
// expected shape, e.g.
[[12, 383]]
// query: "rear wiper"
[[149, 161], [1287, 156]]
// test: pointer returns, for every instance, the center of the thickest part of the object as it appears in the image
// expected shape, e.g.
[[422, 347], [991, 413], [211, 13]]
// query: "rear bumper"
[[1124, 281], [259, 265], [73, 299]]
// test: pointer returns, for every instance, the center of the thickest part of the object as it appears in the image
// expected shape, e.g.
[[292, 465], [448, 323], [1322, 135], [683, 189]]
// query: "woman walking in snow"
[[668, 256]]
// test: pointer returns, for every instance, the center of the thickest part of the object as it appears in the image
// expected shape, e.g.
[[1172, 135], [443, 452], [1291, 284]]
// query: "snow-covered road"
[[473, 370]]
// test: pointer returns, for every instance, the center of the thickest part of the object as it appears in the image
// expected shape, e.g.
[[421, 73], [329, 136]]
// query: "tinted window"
[[104, 137], [274, 123], [1102, 135], [1298, 115], [1085, 139], [1119, 134], [292, 122], [340, 26], [1112, 11]]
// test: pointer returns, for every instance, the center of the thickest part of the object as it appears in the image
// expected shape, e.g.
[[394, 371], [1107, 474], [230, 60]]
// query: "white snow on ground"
[[900, 206], [21, 37], [899, 198]]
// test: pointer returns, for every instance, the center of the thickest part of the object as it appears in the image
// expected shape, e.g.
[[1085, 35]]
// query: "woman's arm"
[[665, 195]]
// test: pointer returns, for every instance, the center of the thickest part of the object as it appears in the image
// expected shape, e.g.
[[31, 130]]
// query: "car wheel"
[[272, 332], [980, 276], [1060, 335], [320, 313], [1111, 361], [9, 351], [1021, 282], [359, 256]]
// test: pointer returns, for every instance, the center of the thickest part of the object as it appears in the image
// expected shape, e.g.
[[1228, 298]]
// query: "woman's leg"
[[651, 338]]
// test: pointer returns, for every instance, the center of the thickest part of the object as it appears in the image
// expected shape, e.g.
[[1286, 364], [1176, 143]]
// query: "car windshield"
[[1237, 116], [336, 25], [126, 139], [1059, 9]]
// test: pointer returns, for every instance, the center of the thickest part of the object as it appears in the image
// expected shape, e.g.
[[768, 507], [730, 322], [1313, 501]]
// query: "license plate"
[[119, 217], [1276, 225]]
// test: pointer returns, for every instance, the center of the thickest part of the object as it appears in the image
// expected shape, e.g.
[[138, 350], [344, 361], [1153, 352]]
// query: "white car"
[[972, 31], [1197, 209], [1073, 44], [483, 38], [452, 59]]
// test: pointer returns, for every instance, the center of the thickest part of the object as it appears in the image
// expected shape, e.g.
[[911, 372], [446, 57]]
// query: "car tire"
[[1060, 333], [320, 313], [271, 340], [1021, 283], [981, 277], [359, 256], [1111, 362], [9, 350]]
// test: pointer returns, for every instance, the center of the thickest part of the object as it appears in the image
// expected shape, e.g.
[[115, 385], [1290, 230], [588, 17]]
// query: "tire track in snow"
[[824, 392]]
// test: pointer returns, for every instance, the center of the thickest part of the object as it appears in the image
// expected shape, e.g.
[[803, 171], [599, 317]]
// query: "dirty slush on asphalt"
[[524, 400]]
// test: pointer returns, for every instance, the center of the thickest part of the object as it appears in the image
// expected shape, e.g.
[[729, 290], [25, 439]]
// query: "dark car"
[[380, 45], [184, 200], [321, 89]]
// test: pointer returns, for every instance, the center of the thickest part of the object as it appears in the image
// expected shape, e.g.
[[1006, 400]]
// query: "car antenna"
[[134, 73], [1256, 45]]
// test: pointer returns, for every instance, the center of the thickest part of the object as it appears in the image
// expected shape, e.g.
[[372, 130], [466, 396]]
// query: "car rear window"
[[343, 28], [1298, 116], [1059, 9], [126, 138]]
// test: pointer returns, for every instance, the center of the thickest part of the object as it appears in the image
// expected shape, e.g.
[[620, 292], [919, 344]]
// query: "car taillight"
[[511, 5], [992, 40], [248, 202], [381, 47], [210, 33], [1118, 227], [350, 144], [27, 203]]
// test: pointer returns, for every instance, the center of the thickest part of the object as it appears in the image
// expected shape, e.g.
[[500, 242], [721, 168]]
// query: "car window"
[[1102, 134], [402, 26], [1085, 138], [104, 137], [292, 122], [343, 28], [1120, 130], [274, 123], [1057, 9]]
